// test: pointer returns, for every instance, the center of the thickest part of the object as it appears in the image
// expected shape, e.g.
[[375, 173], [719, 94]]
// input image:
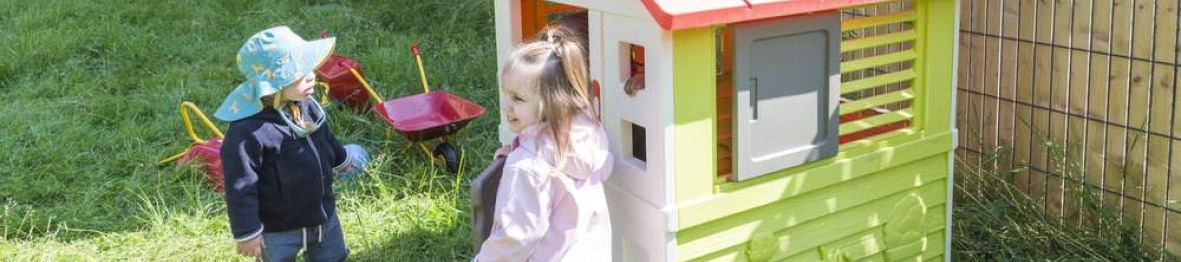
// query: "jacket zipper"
[[320, 165]]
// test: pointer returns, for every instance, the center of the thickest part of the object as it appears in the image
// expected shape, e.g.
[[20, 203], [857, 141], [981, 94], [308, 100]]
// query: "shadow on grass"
[[418, 244]]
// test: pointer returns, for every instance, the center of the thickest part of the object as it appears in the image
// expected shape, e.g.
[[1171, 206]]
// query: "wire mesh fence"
[[1094, 80]]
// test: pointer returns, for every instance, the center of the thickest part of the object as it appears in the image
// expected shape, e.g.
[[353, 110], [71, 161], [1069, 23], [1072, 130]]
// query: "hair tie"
[[555, 42], [550, 37]]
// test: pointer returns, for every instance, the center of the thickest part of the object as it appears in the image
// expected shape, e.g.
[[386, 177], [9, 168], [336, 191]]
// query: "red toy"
[[208, 156], [342, 76], [431, 115], [206, 153], [343, 80], [427, 116]]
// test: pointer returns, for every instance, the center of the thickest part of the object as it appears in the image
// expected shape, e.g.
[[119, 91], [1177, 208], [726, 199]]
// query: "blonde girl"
[[550, 204]]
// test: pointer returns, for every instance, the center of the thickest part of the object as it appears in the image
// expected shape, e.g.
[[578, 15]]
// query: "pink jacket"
[[548, 214]]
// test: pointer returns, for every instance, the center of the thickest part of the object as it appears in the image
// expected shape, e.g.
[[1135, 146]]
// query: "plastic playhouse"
[[769, 129]]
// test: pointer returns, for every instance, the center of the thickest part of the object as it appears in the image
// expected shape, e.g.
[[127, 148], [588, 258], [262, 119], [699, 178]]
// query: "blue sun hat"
[[271, 60]]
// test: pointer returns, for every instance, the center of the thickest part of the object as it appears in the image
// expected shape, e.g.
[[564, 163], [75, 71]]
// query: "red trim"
[[740, 11], [662, 17], [596, 92]]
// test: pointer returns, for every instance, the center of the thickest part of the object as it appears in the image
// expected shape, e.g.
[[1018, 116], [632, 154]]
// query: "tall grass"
[[995, 219], [91, 92]]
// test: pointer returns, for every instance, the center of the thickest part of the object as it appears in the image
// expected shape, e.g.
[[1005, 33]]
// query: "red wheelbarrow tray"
[[429, 115]]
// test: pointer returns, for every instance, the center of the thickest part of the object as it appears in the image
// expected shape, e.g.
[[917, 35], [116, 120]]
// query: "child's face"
[[521, 108], [301, 89]]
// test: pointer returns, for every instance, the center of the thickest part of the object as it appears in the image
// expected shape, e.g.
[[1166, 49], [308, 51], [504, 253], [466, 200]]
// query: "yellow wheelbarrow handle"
[[421, 72], [184, 114], [366, 85]]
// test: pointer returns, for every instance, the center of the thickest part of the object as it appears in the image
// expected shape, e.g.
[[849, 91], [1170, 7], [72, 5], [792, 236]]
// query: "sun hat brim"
[[315, 53], [244, 101]]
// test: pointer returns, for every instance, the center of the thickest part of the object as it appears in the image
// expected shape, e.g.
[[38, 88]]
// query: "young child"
[[550, 204], [279, 157]]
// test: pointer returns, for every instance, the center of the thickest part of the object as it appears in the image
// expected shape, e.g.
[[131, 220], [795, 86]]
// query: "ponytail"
[[572, 56]]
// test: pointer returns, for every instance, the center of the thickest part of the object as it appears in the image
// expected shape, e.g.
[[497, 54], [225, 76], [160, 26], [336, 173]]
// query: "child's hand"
[[634, 84], [251, 248], [502, 151], [358, 158]]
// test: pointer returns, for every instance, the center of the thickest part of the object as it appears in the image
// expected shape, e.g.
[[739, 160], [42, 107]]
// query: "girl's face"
[[301, 89], [522, 106]]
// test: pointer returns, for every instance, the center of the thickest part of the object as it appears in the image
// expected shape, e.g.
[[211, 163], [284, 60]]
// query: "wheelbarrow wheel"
[[450, 156]]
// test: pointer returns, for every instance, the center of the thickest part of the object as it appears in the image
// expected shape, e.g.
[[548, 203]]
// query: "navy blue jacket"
[[276, 181]]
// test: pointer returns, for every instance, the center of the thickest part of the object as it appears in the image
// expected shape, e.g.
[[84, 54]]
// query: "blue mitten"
[[354, 164]]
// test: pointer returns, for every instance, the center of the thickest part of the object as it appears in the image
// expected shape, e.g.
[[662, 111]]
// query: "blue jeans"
[[319, 243]]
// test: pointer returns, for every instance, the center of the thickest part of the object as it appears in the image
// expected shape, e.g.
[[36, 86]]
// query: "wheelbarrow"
[[204, 152], [343, 80], [429, 116]]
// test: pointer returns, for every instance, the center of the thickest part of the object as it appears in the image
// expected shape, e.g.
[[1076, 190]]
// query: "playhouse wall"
[[650, 108], [630, 8], [508, 34], [638, 191], [886, 202], [893, 214], [887, 199]]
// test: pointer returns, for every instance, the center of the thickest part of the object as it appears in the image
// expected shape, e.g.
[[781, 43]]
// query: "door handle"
[[754, 98]]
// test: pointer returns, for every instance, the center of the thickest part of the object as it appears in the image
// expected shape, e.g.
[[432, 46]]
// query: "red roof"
[[682, 14]]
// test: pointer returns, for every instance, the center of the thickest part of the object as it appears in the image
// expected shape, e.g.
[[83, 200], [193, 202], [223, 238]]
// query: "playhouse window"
[[877, 75], [631, 68], [876, 96], [635, 144], [777, 84], [537, 14], [724, 38]]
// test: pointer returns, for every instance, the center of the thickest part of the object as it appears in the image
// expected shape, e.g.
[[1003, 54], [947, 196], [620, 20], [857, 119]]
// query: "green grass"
[[91, 92], [995, 219]]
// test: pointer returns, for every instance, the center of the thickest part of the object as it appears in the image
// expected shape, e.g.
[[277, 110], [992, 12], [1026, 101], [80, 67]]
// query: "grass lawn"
[[91, 92]]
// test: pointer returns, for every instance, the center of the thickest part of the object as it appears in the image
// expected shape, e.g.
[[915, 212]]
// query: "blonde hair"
[[556, 68], [573, 27]]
